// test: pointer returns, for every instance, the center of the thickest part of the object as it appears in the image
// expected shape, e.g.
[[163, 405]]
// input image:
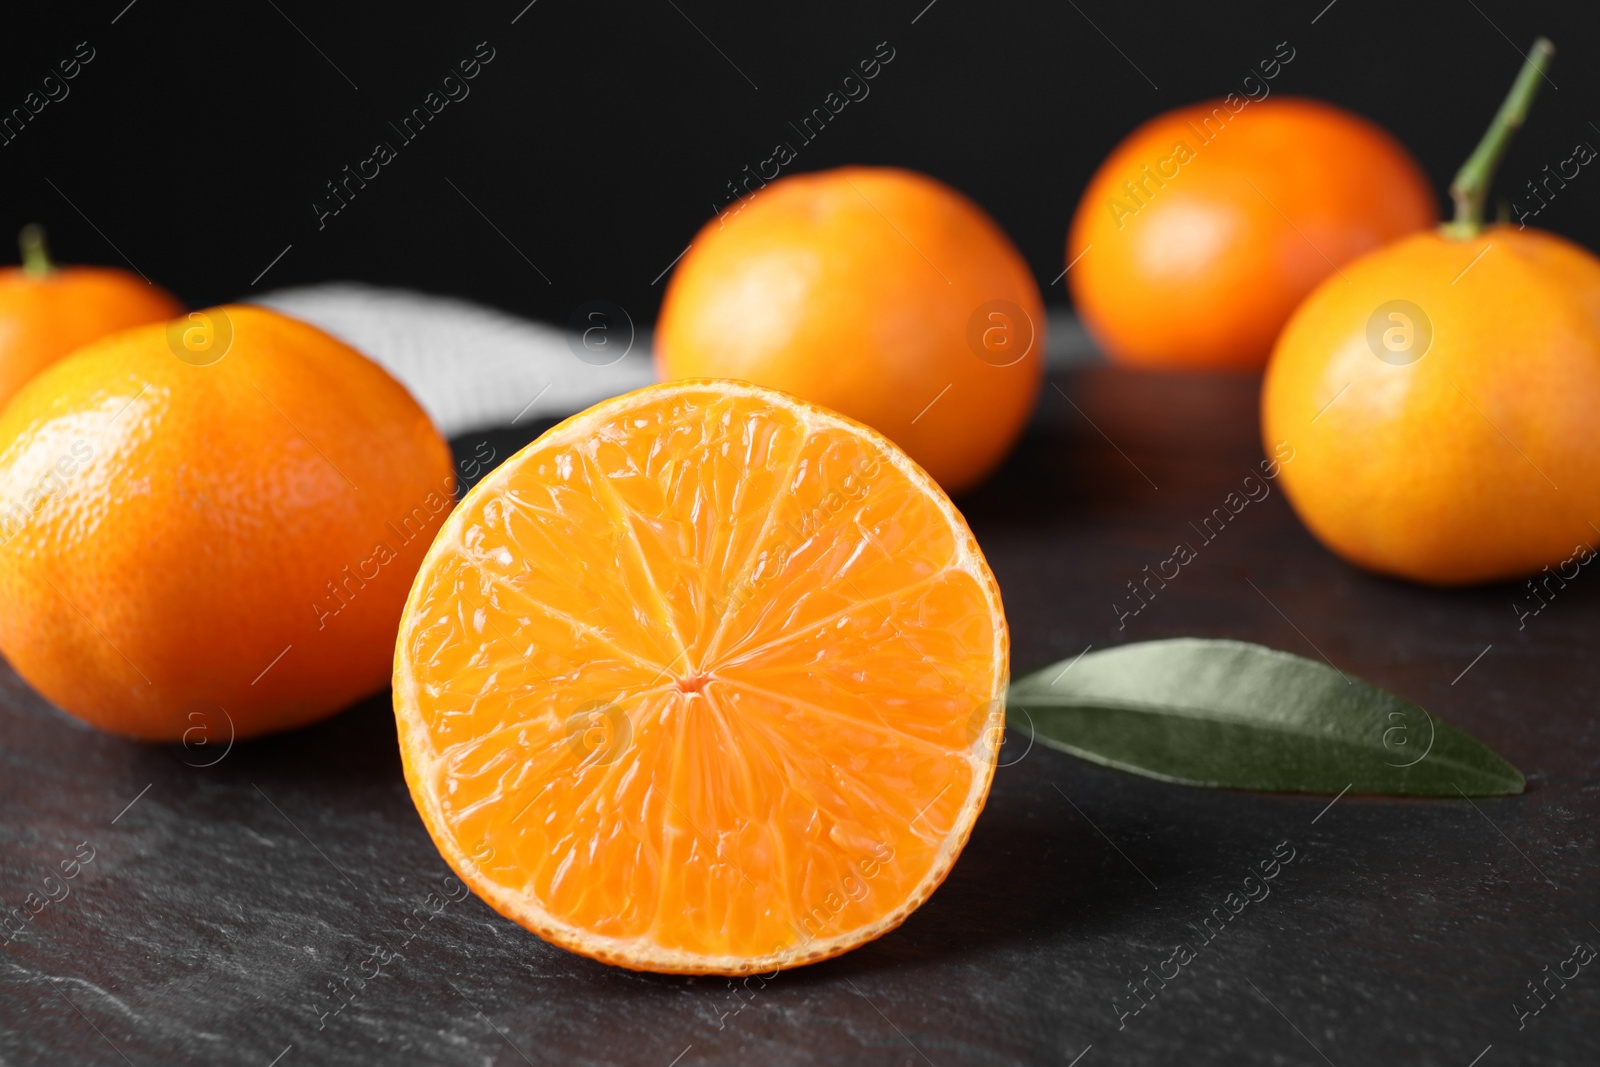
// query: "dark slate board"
[[222, 901]]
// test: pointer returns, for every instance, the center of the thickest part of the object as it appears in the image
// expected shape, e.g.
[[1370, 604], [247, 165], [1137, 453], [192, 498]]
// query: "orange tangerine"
[[47, 311], [879, 292], [1208, 224], [705, 680], [1441, 395], [208, 526]]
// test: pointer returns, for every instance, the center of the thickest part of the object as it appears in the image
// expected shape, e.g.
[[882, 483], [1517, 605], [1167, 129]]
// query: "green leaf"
[[1233, 715]]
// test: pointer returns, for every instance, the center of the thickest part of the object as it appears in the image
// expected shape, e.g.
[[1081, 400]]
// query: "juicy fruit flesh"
[[704, 680]]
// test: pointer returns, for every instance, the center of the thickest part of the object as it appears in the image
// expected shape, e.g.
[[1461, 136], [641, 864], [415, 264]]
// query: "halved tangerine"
[[705, 680]]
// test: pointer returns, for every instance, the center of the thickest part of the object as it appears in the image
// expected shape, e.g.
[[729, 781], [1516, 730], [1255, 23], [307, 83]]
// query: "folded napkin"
[[472, 367]]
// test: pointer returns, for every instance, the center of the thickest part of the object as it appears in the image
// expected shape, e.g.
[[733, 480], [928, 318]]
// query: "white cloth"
[[470, 367], [473, 368]]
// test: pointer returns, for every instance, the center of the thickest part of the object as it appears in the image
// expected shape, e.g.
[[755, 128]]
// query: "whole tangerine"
[[880, 293], [1441, 396], [47, 311], [212, 524], [1202, 231]]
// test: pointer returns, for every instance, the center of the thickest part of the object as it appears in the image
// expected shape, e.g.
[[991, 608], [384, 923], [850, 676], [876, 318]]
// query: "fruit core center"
[[694, 683]]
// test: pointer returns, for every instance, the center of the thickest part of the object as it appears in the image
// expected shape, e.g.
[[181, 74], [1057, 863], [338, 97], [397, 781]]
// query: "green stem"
[[35, 256], [1470, 190]]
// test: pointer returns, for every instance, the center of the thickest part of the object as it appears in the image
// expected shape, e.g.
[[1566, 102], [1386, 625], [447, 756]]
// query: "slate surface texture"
[[223, 903]]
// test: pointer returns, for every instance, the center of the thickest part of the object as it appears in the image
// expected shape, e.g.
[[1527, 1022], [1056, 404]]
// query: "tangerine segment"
[[704, 680]]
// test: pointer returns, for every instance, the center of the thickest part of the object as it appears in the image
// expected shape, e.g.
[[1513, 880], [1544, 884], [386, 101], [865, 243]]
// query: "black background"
[[601, 135]]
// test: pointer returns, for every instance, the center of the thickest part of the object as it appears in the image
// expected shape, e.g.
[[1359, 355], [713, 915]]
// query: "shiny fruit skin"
[[855, 289], [1204, 274], [1478, 461], [43, 317], [187, 544]]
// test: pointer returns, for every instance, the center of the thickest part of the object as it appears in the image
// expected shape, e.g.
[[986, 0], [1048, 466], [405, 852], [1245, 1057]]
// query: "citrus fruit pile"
[[709, 678], [702, 680]]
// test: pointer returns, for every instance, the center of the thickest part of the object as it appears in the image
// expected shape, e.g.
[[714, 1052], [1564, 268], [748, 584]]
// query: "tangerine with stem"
[[47, 311], [1441, 397]]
